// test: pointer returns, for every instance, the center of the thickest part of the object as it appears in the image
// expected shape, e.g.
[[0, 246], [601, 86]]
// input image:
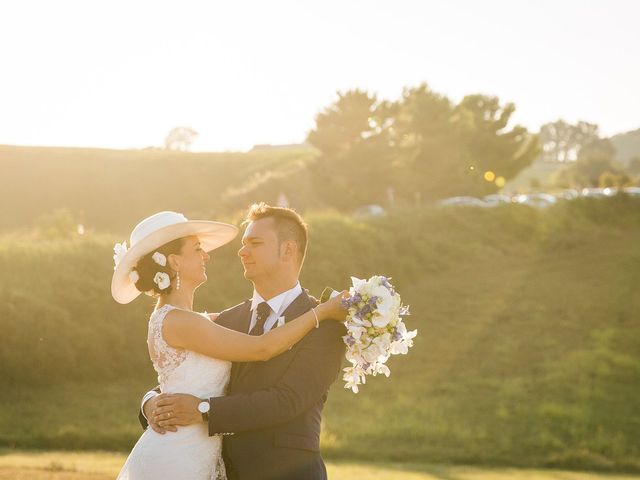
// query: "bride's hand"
[[333, 309]]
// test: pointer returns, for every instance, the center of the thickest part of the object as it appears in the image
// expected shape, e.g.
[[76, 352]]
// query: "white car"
[[537, 200], [369, 211], [461, 202], [495, 200], [598, 192], [632, 191], [568, 194]]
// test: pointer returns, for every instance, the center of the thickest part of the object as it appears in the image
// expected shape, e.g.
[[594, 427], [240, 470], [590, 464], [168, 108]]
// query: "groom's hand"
[[149, 411], [176, 409]]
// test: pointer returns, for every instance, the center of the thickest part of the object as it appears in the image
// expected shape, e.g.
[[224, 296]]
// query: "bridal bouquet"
[[375, 329]]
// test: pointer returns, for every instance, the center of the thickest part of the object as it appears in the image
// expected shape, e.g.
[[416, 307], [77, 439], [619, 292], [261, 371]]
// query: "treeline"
[[590, 159], [421, 147]]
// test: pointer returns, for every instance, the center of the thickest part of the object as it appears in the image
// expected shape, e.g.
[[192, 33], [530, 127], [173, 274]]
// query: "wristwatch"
[[203, 408]]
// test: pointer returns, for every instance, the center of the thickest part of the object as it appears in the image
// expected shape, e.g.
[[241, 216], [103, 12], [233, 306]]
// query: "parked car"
[[598, 192], [369, 211], [495, 200], [632, 191], [461, 202], [537, 200], [568, 194]]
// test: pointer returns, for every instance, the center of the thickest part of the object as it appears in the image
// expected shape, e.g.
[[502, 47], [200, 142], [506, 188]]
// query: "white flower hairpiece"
[[162, 280], [134, 277], [119, 249], [159, 258]]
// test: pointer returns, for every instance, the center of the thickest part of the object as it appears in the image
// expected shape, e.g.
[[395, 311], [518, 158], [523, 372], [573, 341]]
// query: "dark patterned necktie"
[[263, 312]]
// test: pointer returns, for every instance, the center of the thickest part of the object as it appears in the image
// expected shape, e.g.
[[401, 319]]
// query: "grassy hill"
[[627, 145], [528, 350], [110, 190]]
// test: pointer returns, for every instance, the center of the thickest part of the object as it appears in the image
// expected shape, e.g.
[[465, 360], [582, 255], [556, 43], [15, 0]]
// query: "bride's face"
[[191, 262]]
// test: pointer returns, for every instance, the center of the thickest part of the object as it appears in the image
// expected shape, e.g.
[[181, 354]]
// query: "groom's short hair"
[[288, 223]]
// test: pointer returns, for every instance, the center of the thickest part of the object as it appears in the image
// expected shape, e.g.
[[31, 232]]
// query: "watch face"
[[203, 407]]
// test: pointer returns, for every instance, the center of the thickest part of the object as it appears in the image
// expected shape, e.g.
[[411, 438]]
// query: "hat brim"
[[211, 235]]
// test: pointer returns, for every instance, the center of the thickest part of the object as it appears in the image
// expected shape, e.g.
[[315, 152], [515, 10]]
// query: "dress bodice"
[[184, 371]]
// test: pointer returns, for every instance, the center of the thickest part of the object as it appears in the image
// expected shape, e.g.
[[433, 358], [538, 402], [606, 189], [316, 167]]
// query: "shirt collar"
[[280, 302]]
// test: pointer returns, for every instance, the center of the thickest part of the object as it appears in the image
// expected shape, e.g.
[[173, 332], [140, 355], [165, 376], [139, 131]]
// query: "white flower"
[[119, 249], [375, 330], [160, 259], [380, 319], [401, 346], [356, 331], [133, 276], [162, 280], [383, 369]]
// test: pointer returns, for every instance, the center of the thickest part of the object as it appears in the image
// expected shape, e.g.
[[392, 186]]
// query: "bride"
[[191, 354]]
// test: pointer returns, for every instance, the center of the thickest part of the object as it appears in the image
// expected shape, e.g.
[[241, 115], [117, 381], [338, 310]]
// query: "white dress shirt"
[[278, 305]]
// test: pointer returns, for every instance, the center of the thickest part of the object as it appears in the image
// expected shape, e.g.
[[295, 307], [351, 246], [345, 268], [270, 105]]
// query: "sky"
[[121, 74]]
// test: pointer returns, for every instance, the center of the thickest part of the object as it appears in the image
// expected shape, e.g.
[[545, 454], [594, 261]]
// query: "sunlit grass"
[[55, 465]]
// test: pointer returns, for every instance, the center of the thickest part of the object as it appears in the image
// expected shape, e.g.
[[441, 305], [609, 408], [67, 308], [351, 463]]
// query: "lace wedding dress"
[[190, 453]]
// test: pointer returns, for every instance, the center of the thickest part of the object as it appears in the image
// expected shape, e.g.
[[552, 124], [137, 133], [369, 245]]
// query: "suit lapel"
[[237, 318], [301, 304]]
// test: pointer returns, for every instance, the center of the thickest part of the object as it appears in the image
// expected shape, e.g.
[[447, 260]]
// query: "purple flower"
[[396, 335], [385, 283], [349, 340], [365, 310]]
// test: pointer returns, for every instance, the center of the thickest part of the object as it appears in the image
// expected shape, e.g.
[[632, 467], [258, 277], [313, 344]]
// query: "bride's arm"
[[182, 329]]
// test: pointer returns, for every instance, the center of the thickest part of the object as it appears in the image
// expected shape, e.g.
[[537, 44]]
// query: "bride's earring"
[[177, 280]]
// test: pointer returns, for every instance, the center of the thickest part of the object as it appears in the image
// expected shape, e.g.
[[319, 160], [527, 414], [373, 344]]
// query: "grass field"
[[52, 465], [528, 352]]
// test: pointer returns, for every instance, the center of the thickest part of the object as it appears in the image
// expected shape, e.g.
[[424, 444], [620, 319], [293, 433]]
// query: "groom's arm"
[[309, 376]]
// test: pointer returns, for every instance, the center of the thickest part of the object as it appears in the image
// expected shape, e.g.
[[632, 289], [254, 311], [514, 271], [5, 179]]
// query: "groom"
[[271, 415]]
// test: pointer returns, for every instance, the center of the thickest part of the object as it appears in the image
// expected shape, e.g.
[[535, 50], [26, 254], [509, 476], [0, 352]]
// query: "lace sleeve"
[[164, 357]]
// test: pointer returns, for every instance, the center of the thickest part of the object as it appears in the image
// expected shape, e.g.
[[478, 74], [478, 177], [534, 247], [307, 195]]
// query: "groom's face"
[[260, 251]]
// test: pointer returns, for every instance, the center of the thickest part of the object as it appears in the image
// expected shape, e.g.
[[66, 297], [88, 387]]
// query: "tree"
[[447, 149], [595, 165], [180, 139], [424, 141], [344, 123], [609, 179], [634, 166], [352, 135], [561, 142], [421, 146], [493, 146]]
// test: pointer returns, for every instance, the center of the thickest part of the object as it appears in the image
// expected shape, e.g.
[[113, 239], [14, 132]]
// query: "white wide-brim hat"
[[152, 233]]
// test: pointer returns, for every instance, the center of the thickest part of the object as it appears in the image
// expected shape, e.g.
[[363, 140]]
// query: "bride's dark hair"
[[147, 268]]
